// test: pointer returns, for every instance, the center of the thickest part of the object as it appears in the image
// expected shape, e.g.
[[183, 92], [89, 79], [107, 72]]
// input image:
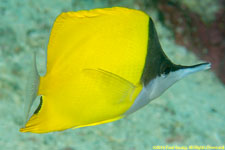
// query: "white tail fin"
[[32, 85]]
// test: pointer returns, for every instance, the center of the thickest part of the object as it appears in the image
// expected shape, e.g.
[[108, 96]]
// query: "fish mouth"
[[187, 70], [199, 67]]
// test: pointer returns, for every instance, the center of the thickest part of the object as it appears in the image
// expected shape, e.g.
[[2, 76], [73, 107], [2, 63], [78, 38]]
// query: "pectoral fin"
[[110, 84], [111, 96]]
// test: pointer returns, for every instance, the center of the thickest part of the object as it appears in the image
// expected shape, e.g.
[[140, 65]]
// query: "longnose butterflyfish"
[[102, 65]]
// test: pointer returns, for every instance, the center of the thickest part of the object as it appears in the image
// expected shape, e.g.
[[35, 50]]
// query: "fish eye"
[[166, 70]]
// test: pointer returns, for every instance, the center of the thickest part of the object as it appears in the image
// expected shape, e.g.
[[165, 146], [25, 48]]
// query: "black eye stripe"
[[156, 60]]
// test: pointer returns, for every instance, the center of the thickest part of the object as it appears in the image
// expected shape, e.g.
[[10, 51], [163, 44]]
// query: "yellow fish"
[[102, 65]]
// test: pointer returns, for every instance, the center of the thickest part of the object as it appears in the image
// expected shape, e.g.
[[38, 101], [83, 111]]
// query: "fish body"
[[102, 65]]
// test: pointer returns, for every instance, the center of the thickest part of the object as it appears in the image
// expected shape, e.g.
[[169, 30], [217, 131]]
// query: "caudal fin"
[[32, 85]]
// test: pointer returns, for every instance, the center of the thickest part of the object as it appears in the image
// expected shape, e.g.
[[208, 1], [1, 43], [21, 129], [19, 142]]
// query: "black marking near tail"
[[39, 106], [155, 56]]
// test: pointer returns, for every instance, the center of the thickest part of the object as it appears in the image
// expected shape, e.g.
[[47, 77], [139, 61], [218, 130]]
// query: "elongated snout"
[[187, 70]]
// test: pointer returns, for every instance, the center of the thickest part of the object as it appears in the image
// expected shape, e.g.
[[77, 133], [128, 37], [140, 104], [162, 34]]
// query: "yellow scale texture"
[[95, 60]]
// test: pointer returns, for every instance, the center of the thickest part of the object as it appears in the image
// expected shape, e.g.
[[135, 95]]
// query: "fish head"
[[169, 74]]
